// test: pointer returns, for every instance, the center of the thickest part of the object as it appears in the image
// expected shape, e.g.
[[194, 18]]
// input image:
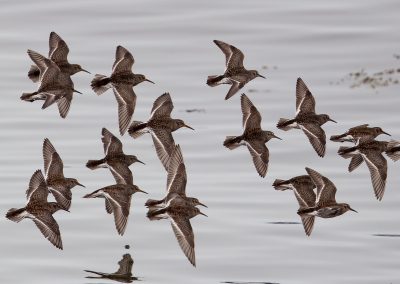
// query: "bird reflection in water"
[[122, 275]]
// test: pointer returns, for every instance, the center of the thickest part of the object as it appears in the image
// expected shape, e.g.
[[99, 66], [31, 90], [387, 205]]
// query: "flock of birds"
[[315, 193]]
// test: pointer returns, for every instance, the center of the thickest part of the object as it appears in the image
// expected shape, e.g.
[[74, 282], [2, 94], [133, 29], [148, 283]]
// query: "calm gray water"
[[320, 41]]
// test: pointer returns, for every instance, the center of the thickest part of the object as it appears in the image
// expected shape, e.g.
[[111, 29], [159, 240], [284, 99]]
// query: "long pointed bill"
[[201, 204], [81, 185], [353, 210], [332, 120], [85, 71], [142, 191], [139, 161], [77, 91], [386, 133], [187, 126], [201, 213], [261, 76], [149, 81], [277, 137]]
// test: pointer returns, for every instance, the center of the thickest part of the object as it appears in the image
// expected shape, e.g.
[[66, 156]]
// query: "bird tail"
[[346, 152], [15, 214], [284, 123], [155, 211], [153, 202], [137, 129], [280, 184], [100, 84], [338, 138], [94, 164], [34, 73], [232, 142], [213, 80], [393, 150], [29, 97]]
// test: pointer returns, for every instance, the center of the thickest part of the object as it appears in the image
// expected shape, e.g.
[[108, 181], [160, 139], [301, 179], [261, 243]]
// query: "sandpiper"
[[115, 159], [161, 126], [123, 274], [179, 210], [39, 210], [118, 201], [306, 119], [58, 185], [235, 74], [325, 204], [58, 53], [121, 80], [176, 181], [371, 152], [253, 136], [361, 132], [303, 188], [54, 86]]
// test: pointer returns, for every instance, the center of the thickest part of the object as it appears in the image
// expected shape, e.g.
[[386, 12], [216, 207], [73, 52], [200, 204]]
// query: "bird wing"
[[111, 144], [121, 172], [260, 155], [184, 234], [48, 150], [377, 166], [362, 126], [307, 104], [56, 168], [233, 56], [164, 143], [308, 223], [37, 190], [120, 207], [48, 69], [305, 195], [236, 86], [356, 160], [301, 90], [123, 60], [64, 104], [176, 179], [126, 99], [58, 49], [125, 264], [62, 195], [326, 190], [162, 106], [316, 136], [251, 116], [49, 228]]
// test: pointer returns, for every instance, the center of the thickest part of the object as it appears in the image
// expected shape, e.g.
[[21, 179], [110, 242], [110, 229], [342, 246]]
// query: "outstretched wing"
[[37, 190], [164, 143], [184, 234], [377, 166], [260, 155], [162, 106], [123, 60], [326, 190], [233, 56], [58, 49], [49, 228], [316, 136], [126, 99]]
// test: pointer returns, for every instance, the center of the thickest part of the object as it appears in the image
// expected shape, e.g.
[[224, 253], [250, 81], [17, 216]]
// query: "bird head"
[[77, 68], [324, 118], [196, 202], [74, 182], [142, 78], [180, 123], [270, 135], [347, 208], [134, 159], [379, 131], [255, 74]]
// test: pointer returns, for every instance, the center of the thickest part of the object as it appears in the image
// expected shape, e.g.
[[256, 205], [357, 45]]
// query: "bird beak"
[[386, 133], [149, 81], [77, 91], [201, 204], [261, 76], [187, 126], [85, 71], [332, 120], [139, 161], [277, 137], [142, 191], [353, 210], [81, 185], [201, 213]]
